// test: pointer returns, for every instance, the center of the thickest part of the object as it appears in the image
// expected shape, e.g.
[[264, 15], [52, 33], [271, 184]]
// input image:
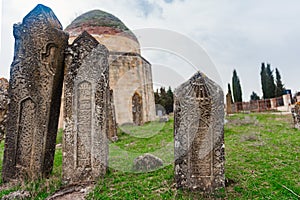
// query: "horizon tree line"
[[164, 98], [270, 87]]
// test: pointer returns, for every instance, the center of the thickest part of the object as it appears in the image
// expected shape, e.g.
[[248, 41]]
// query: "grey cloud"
[[236, 34], [147, 7]]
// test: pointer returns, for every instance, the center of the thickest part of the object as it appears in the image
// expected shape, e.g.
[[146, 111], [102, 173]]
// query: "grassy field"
[[262, 162]]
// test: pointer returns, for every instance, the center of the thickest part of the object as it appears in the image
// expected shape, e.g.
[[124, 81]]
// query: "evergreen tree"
[[169, 101], [279, 91], [254, 96], [165, 99], [267, 81], [156, 97], [236, 87], [263, 76], [270, 86], [162, 97]]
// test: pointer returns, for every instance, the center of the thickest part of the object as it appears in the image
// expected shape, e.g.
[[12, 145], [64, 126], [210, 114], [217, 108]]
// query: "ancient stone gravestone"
[[3, 106], [85, 144], [199, 135], [228, 103], [296, 115], [111, 123], [34, 93]]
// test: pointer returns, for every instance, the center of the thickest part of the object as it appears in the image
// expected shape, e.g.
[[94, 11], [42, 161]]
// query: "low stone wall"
[[279, 103]]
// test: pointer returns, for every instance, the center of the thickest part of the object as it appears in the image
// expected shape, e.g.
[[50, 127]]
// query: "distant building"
[[130, 74]]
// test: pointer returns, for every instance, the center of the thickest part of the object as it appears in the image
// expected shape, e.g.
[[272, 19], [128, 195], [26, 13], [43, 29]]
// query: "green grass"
[[262, 162], [263, 158], [155, 138], [39, 189]]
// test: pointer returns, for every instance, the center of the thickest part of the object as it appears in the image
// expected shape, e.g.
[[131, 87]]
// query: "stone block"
[[147, 162]]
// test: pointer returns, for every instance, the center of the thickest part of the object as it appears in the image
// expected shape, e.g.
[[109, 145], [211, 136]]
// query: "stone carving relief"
[[137, 109], [199, 135], [296, 115], [111, 123], [34, 93], [85, 146], [3, 106]]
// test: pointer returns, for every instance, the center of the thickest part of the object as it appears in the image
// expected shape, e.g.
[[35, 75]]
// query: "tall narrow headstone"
[[199, 135], [111, 123], [36, 78], [228, 103], [86, 89], [296, 115], [3, 106]]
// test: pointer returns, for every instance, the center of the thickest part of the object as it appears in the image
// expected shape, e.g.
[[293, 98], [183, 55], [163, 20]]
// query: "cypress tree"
[[263, 77], [270, 86], [169, 101], [254, 96], [165, 99], [279, 91], [156, 97], [236, 87], [267, 82]]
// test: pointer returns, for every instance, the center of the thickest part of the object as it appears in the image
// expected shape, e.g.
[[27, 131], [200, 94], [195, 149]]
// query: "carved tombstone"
[[137, 109], [3, 106], [111, 123], [199, 135], [228, 103], [86, 86], [34, 93], [296, 115]]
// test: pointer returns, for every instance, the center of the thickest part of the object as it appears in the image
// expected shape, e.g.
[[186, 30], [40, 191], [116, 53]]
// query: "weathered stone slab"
[[147, 162], [3, 106], [111, 123], [199, 135], [296, 115], [34, 93], [137, 109], [86, 89], [228, 103]]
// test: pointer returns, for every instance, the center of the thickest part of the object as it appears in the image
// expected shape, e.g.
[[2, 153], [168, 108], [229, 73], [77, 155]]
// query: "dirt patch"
[[250, 137], [74, 191]]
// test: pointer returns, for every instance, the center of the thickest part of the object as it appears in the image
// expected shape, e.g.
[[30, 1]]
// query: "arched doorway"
[[137, 109]]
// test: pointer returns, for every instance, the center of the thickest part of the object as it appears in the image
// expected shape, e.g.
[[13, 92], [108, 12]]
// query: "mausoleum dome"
[[107, 29]]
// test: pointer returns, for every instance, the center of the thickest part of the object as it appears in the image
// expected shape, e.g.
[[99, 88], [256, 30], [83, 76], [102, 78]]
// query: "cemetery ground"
[[262, 162]]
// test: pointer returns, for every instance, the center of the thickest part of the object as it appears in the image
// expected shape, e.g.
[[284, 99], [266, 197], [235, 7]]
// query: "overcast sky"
[[236, 34]]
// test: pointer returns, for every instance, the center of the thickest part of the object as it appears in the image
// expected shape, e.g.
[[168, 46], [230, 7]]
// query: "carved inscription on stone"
[[26, 133], [137, 109], [34, 91], [199, 137], [3, 106], [85, 146], [111, 124], [84, 120], [296, 115]]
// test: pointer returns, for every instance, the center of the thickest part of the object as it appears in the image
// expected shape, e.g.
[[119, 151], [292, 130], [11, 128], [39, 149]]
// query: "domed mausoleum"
[[130, 74]]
